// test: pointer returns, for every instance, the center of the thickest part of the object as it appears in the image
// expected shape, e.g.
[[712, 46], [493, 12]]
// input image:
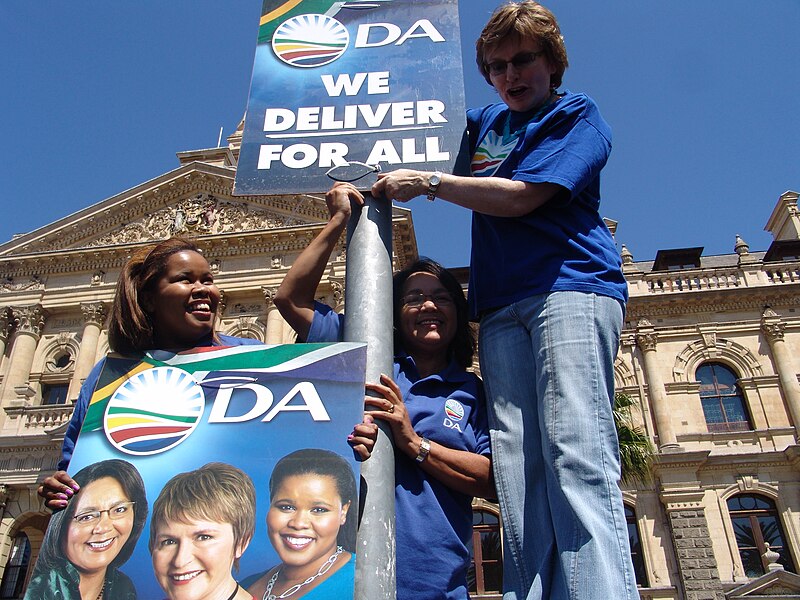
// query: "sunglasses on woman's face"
[[520, 61]]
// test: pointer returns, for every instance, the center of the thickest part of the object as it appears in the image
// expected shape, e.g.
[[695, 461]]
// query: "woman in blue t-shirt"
[[434, 406], [547, 287]]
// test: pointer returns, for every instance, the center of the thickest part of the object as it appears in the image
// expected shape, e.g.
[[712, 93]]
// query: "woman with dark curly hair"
[[87, 542], [434, 406]]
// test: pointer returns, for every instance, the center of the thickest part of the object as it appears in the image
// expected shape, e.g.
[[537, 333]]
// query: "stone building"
[[709, 354]]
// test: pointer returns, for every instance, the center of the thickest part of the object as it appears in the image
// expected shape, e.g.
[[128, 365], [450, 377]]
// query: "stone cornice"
[[739, 299], [112, 258], [723, 329]]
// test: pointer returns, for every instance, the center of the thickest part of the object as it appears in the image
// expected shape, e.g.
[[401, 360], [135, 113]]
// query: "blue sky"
[[702, 97]]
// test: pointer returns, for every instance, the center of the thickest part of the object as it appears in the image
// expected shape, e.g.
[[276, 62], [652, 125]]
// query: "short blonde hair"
[[526, 20], [216, 492]]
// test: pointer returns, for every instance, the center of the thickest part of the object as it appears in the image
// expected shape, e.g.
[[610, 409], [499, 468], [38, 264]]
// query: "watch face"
[[434, 180]]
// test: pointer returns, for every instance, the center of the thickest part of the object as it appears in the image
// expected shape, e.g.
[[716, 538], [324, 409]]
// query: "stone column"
[[94, 313], [29, 321], [773, 328], [697, 565], [646, 340], [4, 321], [274, 319]]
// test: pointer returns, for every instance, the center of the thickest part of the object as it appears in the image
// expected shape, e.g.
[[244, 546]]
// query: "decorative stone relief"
[[771, 325], [623, 376], [200, 215], [269, 295], [245, 309], [728, 351], [97, 278], [28, 319], [9, 285], [94, 313], [337, 285], [61, 353], [4, 321], [747, 483]]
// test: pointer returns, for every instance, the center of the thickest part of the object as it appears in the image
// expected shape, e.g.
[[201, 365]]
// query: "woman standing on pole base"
[[547, 286]]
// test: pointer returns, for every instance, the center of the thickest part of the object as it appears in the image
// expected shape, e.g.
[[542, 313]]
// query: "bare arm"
[[295, 296], [460, 470], [495, 196]]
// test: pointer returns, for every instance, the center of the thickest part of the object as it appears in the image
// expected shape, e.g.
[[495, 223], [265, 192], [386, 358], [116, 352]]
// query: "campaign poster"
[[375, 83], [243, 408]]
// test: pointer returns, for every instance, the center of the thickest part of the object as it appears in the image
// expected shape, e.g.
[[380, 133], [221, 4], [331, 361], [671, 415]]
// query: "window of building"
[[55, 393], [485, 574], [636, 547], [723, 402], [16, 570], [756, 523]]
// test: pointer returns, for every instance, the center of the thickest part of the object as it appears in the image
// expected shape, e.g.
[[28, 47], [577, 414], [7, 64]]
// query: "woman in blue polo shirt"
[[546, 284], [434, 407]]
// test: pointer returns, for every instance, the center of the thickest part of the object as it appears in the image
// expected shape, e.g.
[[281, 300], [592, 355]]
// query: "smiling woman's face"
[[183, 303], [193, 560], [304, 519], [92, 544]]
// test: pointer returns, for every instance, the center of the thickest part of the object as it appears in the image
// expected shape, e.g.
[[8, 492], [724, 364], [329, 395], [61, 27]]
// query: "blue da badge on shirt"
[[454, 413]]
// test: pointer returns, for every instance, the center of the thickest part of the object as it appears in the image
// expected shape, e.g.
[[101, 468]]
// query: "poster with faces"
[[213, 473]]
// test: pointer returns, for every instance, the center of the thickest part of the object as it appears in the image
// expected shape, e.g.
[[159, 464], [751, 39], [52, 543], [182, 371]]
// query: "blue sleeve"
[[327, 325], [78, 415], [570, 150]]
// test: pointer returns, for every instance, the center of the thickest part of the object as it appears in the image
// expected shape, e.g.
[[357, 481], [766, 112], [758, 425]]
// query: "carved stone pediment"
[[201, 214], [778, 584], [193, 200]]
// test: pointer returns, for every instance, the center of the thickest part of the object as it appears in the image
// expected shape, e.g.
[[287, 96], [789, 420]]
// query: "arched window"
[[485, 574], [723, 403], [636, 547], [16, 568], [756, 523]]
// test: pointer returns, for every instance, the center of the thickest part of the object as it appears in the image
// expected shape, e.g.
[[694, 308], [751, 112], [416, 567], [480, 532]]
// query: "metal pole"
[[368, 318]]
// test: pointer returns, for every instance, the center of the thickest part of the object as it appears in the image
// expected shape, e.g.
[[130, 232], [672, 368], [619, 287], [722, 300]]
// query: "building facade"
[[709, 354]]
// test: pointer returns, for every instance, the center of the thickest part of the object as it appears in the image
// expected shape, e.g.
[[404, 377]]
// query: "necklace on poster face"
[[326, 566]]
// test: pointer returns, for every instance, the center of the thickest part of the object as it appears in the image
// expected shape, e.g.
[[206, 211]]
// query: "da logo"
[[454, 410], [153, 411], [310, 40]]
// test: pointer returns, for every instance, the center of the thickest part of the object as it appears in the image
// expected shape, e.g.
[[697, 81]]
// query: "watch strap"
[[424, 449]]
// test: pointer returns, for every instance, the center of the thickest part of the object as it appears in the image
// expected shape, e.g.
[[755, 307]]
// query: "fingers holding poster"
[[212, 441]]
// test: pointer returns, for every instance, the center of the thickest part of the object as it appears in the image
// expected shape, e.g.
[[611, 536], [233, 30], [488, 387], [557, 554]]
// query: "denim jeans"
[[547, 364]]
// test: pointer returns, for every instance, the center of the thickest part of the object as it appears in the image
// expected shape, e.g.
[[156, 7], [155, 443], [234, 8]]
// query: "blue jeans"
[[547, 364]]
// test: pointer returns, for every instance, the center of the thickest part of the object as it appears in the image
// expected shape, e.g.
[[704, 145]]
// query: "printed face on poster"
[[378, 83], [175, 461]]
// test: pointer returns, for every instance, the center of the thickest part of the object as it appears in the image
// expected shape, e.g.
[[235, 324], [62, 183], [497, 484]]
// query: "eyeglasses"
[[520, 61], [115, 512], [417, 299]]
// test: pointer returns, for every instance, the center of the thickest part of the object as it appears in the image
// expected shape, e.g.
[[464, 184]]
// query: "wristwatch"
[[424, 449], [433, 185]]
